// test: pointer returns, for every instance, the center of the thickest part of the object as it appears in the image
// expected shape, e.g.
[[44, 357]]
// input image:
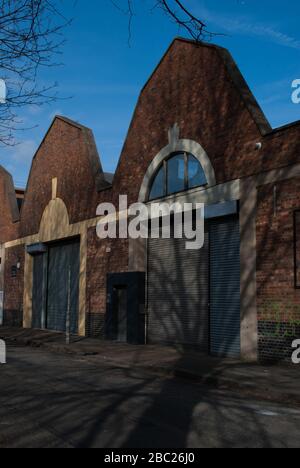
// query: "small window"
[[180, 172], [14, 271]]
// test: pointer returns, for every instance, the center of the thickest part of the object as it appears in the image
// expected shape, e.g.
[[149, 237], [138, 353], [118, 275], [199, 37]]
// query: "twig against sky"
[[30, 37], [175, 10]]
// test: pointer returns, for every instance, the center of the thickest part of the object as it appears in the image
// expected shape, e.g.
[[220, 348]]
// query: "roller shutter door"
[[225, 287], [63, 257], [178, 293]]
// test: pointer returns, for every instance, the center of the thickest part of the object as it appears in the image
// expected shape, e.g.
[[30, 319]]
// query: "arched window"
[[180, 172]]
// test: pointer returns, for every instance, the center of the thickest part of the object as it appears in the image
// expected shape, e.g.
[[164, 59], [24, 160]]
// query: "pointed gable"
[[68, 155], [199, 87], [9, 212]]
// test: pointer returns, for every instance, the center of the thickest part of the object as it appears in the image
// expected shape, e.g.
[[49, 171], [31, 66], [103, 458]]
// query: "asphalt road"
[[56, 401]]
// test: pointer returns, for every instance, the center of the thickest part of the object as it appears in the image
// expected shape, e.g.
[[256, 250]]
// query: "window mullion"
[[186, 174]]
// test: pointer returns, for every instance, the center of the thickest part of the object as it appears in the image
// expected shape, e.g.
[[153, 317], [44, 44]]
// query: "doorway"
[[56, 286], [125, 313], [120, 293]]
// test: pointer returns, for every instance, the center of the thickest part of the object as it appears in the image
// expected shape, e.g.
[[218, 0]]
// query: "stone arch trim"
[[55, 226], [55, 221], [176, 145]]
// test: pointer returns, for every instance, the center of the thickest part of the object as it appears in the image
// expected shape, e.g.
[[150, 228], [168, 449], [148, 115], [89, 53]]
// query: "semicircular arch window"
[[178, 173]]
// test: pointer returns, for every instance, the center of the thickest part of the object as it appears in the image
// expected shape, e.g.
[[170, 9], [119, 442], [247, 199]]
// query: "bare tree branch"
[[177, 12], [30, 37], [129, 11]]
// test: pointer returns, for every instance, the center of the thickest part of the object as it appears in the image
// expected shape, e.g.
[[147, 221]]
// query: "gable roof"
[[94, 159], [235, 76], [10, 194]]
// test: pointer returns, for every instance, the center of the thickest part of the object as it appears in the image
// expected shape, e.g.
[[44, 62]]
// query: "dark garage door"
[[178, 293], [225, 287], [194, 296], [51, 284], [63, 258]]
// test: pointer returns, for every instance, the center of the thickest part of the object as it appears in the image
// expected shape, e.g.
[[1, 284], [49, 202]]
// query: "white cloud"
[[35, 110], [276, 91], [248, 26], [23, 152], [17, 160]]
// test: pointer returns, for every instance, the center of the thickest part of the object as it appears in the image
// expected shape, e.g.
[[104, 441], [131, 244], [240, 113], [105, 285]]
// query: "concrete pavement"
[[51, 400], [275, 383]]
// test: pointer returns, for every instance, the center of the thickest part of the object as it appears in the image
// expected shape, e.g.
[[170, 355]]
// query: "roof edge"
[[236, 76], [71, 122], [10, 194], [284, 128]]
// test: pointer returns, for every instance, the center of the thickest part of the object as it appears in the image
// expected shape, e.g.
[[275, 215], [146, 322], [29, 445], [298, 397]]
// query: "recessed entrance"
[[125, 314], [120, 303], [56, 286], [194, 296]]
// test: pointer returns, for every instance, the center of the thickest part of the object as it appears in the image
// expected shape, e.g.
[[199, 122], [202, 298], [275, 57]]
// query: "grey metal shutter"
[[61, 258], [178, 293], [225, 287]]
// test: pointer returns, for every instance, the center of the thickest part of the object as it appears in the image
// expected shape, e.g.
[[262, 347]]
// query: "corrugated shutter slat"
[[177, 293], [225, 288]]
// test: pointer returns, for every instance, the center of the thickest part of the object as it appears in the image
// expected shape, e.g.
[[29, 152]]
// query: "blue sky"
[[104, 75]]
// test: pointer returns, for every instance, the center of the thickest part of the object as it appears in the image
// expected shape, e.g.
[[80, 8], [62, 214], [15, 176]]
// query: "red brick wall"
[[278, 300], [281, 148], [14, 287], [191, 87], [103, 257], [8, 229], [62, 155]]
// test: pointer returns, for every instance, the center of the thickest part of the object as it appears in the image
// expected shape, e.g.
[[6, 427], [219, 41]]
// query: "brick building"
[[197, 135]]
